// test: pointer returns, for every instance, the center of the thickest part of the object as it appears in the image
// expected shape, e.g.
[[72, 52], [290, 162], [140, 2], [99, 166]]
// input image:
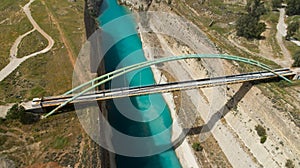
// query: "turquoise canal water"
[[130, 48]]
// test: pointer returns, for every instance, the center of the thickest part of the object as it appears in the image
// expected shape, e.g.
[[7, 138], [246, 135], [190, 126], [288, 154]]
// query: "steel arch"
[[111, 75]]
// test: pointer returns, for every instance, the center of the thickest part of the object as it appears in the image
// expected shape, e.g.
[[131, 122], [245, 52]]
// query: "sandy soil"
[[236, 135], [182, 71]]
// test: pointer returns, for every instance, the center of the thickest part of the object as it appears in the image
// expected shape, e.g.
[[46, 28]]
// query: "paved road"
[[14, 61]]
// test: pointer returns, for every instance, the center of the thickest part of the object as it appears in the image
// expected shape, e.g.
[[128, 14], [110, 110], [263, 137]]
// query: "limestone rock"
[[140, 5]]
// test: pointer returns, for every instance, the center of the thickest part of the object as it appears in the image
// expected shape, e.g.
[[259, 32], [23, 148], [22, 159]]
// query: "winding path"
[[14, 61], [287, 60]]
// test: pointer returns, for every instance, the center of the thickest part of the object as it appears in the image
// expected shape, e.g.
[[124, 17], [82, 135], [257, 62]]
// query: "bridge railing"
[[111, 75]]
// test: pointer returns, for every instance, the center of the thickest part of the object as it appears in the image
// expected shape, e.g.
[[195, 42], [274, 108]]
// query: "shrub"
[[292, 29], [276, 3], [197, 146], [15, 112], [248, 25], [2, 140], [293, 7], [29, 118], [2, 120], [263, 139], [255, 8], [261, 131], [289, 164], [296, 59]]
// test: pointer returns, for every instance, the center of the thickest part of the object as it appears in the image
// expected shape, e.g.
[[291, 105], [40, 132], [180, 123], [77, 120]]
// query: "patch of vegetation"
[[292, 29], [248, 25], [49, 73], [293, 7], [13, 24], [2, 140], [296, 57], [261, 132], [263, 139], [2, 130], [64, 12], [60, 142], [255, 8], [15, 112], [276, 4], [289, 164], [272, 19], [1, 121], [197, 146], [32, 43]]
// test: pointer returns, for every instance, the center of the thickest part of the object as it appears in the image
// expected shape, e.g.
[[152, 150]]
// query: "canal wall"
[[91, 12]]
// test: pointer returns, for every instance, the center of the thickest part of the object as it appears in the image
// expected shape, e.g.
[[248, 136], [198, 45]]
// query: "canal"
[[153, 115]]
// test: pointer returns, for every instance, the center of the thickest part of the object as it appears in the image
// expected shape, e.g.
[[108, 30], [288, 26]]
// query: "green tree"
[[255, 8], [249, 27], [296, 59], [276, 3], [261, 132], [292, 29], [15, 112], [293, 7]]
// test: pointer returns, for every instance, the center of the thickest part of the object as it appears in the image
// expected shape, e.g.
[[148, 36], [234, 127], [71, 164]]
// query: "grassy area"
[[60, 142], [50, 73], [272, 19], [55, 139], [292, 47], [214, 10], [32, 43], [295, 18], [13, 23], [60, 137], [69, 17]]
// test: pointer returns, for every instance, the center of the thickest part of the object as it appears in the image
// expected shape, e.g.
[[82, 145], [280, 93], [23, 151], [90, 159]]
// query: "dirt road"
[[14, 61], [286, 61]]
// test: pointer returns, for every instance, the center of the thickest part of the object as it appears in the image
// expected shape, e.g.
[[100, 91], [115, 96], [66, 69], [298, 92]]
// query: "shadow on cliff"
[[231, 104]]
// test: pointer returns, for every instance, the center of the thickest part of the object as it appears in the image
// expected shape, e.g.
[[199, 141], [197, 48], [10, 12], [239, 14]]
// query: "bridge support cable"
[[111, 75]]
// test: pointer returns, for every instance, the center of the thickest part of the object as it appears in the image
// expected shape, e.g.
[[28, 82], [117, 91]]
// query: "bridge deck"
[[54, 101]]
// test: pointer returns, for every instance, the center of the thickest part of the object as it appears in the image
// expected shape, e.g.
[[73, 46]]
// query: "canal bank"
[[121, 50]]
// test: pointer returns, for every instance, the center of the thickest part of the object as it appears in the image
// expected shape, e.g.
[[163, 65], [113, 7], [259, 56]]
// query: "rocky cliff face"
[[141, 5], [93, 7]]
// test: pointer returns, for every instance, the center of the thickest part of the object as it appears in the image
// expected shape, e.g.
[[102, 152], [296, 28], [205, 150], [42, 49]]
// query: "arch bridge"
[[69, 97]]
